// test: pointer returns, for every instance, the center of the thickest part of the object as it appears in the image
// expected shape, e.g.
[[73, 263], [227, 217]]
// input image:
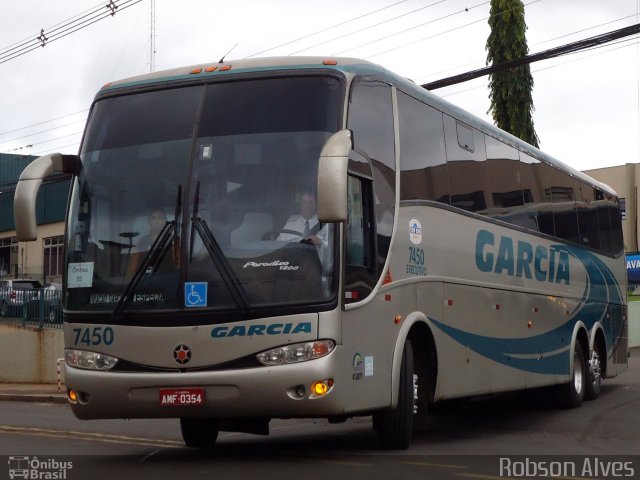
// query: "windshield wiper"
[[154, 256], [217, 255]]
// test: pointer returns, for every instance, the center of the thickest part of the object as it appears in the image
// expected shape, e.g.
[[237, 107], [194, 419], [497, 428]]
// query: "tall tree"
[[510, 90]]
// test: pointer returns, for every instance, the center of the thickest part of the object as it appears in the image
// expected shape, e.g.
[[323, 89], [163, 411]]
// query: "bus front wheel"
[[199, 432], [395, 426]]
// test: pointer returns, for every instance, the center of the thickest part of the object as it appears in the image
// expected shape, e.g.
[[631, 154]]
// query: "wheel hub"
[[595, 367]]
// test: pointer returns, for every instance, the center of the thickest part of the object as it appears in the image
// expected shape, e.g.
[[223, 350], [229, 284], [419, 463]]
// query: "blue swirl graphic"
[[549, 352]]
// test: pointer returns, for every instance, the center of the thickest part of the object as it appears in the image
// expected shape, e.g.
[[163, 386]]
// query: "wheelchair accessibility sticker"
[[195, 294]]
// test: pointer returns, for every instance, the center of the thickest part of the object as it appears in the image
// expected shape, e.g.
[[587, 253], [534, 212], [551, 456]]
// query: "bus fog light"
[[77, 397], [321, 387], [89, 360], [73, 396], [298, 352]]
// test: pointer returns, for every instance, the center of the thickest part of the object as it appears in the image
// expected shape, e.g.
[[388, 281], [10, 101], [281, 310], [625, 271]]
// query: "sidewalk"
[[33, 392]]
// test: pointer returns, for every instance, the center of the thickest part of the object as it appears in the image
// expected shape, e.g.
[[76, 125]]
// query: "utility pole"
[[152, 43]]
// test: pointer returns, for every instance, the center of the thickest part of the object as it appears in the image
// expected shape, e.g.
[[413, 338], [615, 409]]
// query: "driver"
[[305, 223]]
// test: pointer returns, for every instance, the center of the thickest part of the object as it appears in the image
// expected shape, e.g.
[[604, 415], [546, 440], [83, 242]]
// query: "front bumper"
[[252, 392]]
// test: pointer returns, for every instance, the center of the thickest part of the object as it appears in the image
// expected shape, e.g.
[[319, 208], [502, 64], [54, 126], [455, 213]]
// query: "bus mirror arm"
[[24, 206], [332, 178]]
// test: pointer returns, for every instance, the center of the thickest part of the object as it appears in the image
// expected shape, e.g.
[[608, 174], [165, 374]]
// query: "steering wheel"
[[273, 234]]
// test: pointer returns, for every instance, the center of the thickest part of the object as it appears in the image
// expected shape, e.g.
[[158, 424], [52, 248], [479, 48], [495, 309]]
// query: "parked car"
[[52, 293], [47, 303], [15, 292]]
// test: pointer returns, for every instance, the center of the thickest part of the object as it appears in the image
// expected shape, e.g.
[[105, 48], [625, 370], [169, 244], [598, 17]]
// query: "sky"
[[587, 105]]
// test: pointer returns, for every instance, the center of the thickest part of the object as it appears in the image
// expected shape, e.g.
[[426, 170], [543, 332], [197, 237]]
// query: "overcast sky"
[[587, 105]]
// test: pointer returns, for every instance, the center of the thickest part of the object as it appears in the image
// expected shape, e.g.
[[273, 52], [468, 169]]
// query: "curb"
[[33, 397]]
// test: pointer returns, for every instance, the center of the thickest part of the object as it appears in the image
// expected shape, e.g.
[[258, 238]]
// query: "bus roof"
[[352, 66], [251, 65]]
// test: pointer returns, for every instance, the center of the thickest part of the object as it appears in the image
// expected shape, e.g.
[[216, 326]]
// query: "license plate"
[[181, 397]]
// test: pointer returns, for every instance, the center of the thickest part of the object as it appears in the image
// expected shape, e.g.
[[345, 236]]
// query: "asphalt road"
[[463, 441]]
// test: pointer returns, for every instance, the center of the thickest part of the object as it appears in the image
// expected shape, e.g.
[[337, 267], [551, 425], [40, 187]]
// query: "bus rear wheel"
[[199, 432], [395, 426], [571, 395], [594, 381]]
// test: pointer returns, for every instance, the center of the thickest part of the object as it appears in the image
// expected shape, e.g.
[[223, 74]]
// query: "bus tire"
[[571, 395], [594, 376], [199, 432], [395, 426]]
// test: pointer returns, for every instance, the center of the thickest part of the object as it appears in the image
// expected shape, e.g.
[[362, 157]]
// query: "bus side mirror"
[[24, 203], [332, 178]]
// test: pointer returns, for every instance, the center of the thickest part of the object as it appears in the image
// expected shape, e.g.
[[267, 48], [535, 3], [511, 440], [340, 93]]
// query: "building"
[[43, 259]]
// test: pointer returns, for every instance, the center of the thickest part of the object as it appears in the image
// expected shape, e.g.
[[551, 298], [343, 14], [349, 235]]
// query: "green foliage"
[[510, 90]]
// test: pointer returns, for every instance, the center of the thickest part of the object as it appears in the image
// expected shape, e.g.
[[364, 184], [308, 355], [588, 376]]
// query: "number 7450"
[[93, 336]]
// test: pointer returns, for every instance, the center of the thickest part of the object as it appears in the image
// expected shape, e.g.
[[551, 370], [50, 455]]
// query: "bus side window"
[[423, 160], [371, 121], [588, 217], [615, 219], [360, 269], [467, 166]]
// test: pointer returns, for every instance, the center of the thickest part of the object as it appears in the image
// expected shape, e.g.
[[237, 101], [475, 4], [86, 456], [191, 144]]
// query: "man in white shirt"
[[311, 231], [305, 223]]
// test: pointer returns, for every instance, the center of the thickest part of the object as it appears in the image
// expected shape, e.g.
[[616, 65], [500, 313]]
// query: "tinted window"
[[251, 147], [468, 173], [503, 164], [301, 104], [360, 271], [23, 285], [422, 151], [133, 120], [615, 219], [371, 121], [587, 209], [565, 217]]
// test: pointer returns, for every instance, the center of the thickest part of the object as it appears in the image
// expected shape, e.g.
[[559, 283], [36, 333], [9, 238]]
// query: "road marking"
[[484, 477], [96, 437], [439, 465], [345, 463]]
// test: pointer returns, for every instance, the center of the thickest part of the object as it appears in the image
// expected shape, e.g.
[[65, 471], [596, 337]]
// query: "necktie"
[[307, 230]]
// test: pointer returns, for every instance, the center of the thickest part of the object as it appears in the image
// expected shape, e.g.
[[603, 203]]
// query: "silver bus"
[[306, 237]]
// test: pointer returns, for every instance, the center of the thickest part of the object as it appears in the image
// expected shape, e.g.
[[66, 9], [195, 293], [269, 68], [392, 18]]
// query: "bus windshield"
[[204, 197]]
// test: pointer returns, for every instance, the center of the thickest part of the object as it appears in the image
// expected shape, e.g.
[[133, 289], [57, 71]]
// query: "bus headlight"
[[89, 360], [297, 352]]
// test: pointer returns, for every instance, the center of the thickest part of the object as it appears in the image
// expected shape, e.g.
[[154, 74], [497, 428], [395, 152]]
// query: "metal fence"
[[39, 308]]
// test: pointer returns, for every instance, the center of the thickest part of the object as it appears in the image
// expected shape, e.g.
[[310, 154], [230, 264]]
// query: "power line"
[[64, 29], [326, 29], [44, 142], [56, 148], [485, 84], [369, 27], [78, 15], [433, 74], [42, 131], [587, 43], [464, 10], [45, 121], [446, 31]]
